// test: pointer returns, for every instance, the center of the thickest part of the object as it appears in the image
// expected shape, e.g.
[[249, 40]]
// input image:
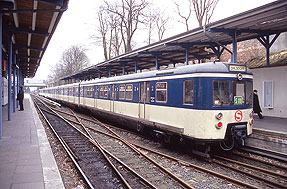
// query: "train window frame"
[[82, 91], [106, 91], [161, 90], [213, 93], [247, 101], [122, 90], [129, 92], [185, 94], [113, 92], [101, 91], [71, 92], [147, 95], [89, 91], [235, 84], [96, 95]]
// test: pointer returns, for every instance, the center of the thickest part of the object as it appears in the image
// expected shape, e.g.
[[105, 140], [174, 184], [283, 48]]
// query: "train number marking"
[[238, 116]]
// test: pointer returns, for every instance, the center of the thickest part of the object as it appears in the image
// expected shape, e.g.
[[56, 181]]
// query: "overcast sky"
[[79, 22]]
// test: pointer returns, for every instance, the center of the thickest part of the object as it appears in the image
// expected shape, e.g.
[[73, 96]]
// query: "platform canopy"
[[200, 43], [31, 24]]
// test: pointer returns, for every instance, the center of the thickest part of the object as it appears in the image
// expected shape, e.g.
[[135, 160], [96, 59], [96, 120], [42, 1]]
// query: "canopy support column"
[[14, 81], [265, 41], [9, 74]]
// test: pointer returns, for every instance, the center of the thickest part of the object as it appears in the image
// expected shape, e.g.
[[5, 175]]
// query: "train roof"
[[210, 67]]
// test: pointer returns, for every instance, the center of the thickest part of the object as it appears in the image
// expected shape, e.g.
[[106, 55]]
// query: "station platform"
[[26, 159], [269, 133]]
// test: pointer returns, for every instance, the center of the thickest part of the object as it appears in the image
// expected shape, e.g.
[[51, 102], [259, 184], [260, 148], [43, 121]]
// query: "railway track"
[[104, 161], [274, 178], [121, 149], [265, 152]]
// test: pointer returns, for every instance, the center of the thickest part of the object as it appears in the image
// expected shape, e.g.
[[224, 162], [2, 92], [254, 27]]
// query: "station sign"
[[236, 68]]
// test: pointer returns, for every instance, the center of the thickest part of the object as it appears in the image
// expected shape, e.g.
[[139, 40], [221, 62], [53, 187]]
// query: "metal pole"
[[156, 62], [1, 75], [124, 69], [186, 56], [136, 68], [9, 75], [14, 82], [234, 47], [268, 50], [18, 82]]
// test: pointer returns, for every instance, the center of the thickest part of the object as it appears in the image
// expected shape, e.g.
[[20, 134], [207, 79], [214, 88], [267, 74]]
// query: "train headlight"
[[251, 122], [219, 125], [251, 114], [219, 116]]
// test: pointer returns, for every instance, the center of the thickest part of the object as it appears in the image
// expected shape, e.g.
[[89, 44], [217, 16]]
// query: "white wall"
[[279, 77]]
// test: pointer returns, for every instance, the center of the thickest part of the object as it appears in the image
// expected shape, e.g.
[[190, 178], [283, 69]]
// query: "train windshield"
[[221, 93], [240, 92]]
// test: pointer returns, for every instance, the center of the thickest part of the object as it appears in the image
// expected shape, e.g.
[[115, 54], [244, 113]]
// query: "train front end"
[[232, 99]]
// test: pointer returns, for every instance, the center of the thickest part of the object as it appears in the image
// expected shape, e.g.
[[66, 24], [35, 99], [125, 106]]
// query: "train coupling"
[[239, 134]]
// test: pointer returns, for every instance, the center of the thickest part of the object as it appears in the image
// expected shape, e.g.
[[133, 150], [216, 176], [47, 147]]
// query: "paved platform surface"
[[271, 124], [26, 159]]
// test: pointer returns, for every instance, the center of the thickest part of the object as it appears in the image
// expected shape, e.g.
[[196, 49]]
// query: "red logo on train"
[[238, 115]]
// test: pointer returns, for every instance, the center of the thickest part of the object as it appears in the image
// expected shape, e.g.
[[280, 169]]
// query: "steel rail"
[[64, 146], [260, 160], [267, 153], [251, 166], [110, 154], [249, 174], [199, 168], [97, 145]]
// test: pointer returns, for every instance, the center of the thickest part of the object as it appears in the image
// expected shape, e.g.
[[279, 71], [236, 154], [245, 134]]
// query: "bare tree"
[[161, 24], [183, 16], [103, 30], [156, 21], [204, 10], [72, 60], [149, 23], [131, 13]]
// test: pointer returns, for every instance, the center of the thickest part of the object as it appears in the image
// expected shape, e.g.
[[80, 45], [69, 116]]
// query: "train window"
[[76, 91], [249, 92], [221, 92], [102, 92], [106, 91], [113, 92], [161, 92], [66, 91], [147, 95], [129, 92], [81, 91], [122, 92], [238, 94], [71, 92], [96, 92], [188, 92], [89, 91]]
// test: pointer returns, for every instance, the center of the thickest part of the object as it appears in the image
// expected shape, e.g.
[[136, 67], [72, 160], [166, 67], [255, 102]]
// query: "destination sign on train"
[[235, 68]]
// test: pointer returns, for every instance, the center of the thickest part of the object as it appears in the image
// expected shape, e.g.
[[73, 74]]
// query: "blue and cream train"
[[209, 103]]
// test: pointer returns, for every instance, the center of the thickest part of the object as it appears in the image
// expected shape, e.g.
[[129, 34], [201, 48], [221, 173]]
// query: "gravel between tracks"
[[70, 176]]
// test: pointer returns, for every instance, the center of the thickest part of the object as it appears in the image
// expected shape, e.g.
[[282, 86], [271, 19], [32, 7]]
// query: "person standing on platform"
[[256, 106], [20, 97]]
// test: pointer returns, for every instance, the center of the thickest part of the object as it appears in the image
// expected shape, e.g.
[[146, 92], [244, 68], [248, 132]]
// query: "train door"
[[144, 99]]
